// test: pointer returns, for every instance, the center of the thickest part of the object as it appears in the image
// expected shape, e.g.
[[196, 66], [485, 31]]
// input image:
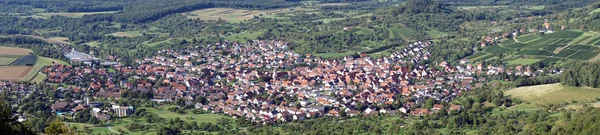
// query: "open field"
[[478, 7], [127, 34], [595, 11], [547, 48], [554, 94], [74, 14], [39, 64], [237, 15], [523, 61], [401, 32], [226, 14], [13, 73], [14, 51], [334, 55], [163, 112], [6, 61], [333, 4], [244, 36]]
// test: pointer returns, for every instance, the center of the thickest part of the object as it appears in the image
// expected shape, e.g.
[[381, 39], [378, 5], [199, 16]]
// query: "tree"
[[168, 131], [56, 127], [9, 125]]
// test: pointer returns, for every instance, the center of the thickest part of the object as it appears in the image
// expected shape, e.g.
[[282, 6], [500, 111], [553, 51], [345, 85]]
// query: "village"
[[266, 82]]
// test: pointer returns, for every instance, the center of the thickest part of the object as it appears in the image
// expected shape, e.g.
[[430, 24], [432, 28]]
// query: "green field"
[[401, 32], [127, 34], [496, 49], [554, 94], [6, 61], [527, 37], [162, 111], [523, 61], [334, 55], [595, 11], [39, 64], [583, 55], [244, 36], [545, 46], [165, 113]]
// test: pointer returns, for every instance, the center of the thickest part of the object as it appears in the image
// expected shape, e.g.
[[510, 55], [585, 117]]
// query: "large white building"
[[122, 111]]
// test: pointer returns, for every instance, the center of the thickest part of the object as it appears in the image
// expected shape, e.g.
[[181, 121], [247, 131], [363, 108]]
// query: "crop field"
[[496, 49], [485, 57], [566, 53], [535, 52], [549, 61], [582, 47], [478, 54], [39, 64], [554, 94], [27, 60], [584, 55], [401, 32], [14, 51], [563, 34], [6, 61], [523, 61], [553, 45], [582, 40], [13, 73], [527, 37], [515, 45], [594, 41], [74, 14]]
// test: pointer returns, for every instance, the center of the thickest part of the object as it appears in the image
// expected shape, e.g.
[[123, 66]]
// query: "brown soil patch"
[[14, 73], [14, 51]]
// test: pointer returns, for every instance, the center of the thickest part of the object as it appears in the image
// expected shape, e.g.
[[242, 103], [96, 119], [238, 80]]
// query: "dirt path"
[[595, 59], [558, 49], [110, 128]]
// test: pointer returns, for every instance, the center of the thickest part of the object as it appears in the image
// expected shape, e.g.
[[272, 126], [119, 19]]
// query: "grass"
[[74, 14], [165, 113], [549, 61], [39, 64], [244, 36], [563, 34], [527, 37], [478, 7], [334, 55], [540, 7], [595, 11], [554, 94], [496, 49], [6, 61], [127, 34], [534, 52], [401, 32], [523, 61], [437, 34]]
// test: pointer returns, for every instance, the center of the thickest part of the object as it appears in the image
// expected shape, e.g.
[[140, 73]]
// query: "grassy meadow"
[[554, 94]]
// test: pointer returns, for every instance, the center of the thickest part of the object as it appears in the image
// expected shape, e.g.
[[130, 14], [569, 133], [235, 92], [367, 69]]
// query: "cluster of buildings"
[[265, 81]]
